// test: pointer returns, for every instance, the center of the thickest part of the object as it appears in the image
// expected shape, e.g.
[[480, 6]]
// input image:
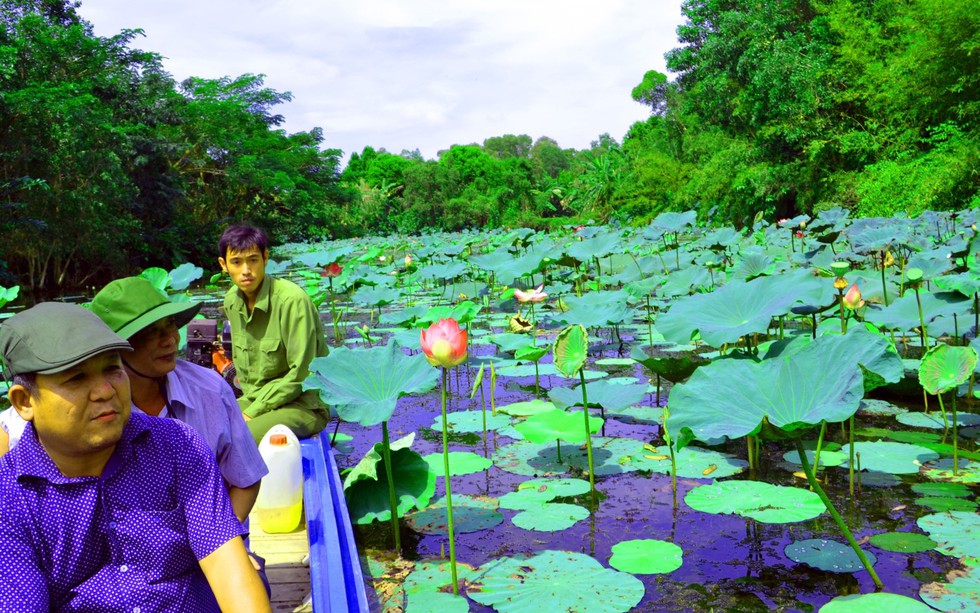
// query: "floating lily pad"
[[904, 542], [608, 395], [646, 556], [550, 517], [957, 532], [557, 425], [771, 504], [888, 457], [942, 503], [428, 587], [538, 491], [827, 555], [611, 456], [876, 478], [961, 593], [968, 472], [614, 362], [875, 603], [460, 463], [526, 408], [934, 420], [638, 415], [546, 582], [951, 490], [827, 457], [470, 514], [436, 602], [694, 463], [466, 422], [871, 406]]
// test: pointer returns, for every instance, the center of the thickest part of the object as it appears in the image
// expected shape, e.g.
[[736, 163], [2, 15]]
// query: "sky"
[[418, 74]]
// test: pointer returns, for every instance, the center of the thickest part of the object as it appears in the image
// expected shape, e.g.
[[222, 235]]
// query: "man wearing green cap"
[[101, 509]]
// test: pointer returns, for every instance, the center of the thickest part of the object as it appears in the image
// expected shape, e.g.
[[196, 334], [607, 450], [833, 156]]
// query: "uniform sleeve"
[[20, 567], [298, 319], [239, 459], [211, 521]]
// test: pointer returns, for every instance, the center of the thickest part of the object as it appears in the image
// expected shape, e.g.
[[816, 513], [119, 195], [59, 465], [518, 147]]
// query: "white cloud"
[[407, 74]]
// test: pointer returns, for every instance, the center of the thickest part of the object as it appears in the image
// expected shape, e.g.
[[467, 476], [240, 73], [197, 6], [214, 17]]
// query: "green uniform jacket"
[[274, 345]]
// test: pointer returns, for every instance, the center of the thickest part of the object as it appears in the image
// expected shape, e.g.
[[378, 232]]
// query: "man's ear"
[[265, 255], [22, 401], [224, 268]]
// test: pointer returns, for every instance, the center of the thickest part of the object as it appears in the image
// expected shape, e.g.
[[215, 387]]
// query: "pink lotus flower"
[[408, 261], [444, 343], [333, 270], [852, 299], [535, 295]]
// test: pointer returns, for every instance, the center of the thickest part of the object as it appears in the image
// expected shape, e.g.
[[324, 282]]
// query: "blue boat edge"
[[336, 576]]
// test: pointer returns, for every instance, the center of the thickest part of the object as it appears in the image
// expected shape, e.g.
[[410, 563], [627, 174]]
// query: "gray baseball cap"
[[54, 336]]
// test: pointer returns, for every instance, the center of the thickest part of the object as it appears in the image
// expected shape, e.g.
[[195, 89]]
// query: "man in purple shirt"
[[101, 510]]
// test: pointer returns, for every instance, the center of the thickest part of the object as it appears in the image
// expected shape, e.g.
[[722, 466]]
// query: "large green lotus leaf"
[[646, 557], [607, 394], [771, 504], [158, 277], [875, 603], [954, 490], [535, 492], [557, 425], [875, 406], [556, 581], [543, 370], [509, 342], [364, 385], [732, 397], [827, 457], [692, 463], [463, 422], [550, 517], [733, 311], [527, 408], [375, 296], [460, 463], [436, 602], [903, 313], [470, 514], [889, 457], [944, 367], [964, 283], [968, 472], [185, 274], [942, 503], [957, 532], [674, 368], [366, 485], [686, 281], [530, 353], [903, 542], [674, 222], [571, 349], [611, 456], [961, 593], [597, 309], [827, 555], [428, 587]]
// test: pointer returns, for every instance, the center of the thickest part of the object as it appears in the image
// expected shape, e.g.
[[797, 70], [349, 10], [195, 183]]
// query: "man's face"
[[246, 268], [155, 349], [78, 412]]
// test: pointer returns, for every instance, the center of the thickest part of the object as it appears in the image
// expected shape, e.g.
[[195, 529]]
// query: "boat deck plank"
[[288, 573]]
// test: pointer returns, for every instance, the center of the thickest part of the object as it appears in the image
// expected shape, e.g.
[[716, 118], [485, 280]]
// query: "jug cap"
[[278, 439]]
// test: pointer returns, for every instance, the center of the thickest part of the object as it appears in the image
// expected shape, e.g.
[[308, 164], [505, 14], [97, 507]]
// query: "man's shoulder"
[[284, 291], [195, 375]]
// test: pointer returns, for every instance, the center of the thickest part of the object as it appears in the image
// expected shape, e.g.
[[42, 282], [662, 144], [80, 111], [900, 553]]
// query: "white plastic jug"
[[279, 505]]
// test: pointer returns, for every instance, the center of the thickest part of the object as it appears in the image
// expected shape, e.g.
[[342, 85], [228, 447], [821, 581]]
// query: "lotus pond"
[[781, 417]]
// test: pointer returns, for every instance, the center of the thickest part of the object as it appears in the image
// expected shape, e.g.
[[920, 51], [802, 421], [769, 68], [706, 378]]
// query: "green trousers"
[[303, 421]]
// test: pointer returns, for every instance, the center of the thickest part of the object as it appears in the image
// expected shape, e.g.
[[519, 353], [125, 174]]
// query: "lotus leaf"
[[366, 485], [903, 314], [509, 342], [686, 281], [610, 396], [159, 277], [955, 490], [674, 222], [892, 458], [185, 274], [646, 556], [548, 580], [693, 463], [612, 456], [539, 491], [873, 406], [903, 542], [638, 415], [375, 296], [530, 353], [675, 368], [463, 422], [969, 472], [944, 367], [957, 532], [961, 593], [827, 457], [425, 584], [771, 504], [550, 517], [571, 350], [875, 603], [733, 397], [827, 555], [527, 408], [470, 514], [942, 503], [597, 309], [364, 385], [557, 425], [460, 463]]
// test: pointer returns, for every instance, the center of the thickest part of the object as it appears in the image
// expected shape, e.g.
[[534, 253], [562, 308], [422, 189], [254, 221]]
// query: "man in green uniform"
[[275, 333]]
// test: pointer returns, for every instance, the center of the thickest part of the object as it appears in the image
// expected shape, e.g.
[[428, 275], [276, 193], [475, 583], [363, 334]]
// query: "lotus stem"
[[858, 455], [493, 390], [815, 485], [816, 454], [843, 313], [922, 319], [588, 436], [884, 288], [449, 491], [649, 325], [673, 462], [850, 449], [483, 404], [945, 420], [956, 436], [392, 500], [750, 446], [558, 440]]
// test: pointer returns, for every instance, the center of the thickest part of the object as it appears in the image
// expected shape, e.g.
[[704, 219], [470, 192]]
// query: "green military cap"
[[131, 304], [52, 337]]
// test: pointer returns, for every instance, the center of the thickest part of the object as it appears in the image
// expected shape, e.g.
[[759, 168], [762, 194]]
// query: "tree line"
[[783, 107]]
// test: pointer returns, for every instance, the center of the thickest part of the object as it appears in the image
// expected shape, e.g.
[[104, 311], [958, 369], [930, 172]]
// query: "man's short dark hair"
[[241, 237], [28, 381]]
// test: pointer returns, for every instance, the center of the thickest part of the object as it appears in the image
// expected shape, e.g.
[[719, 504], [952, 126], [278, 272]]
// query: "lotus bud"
[[408, 260], [852, 299]]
